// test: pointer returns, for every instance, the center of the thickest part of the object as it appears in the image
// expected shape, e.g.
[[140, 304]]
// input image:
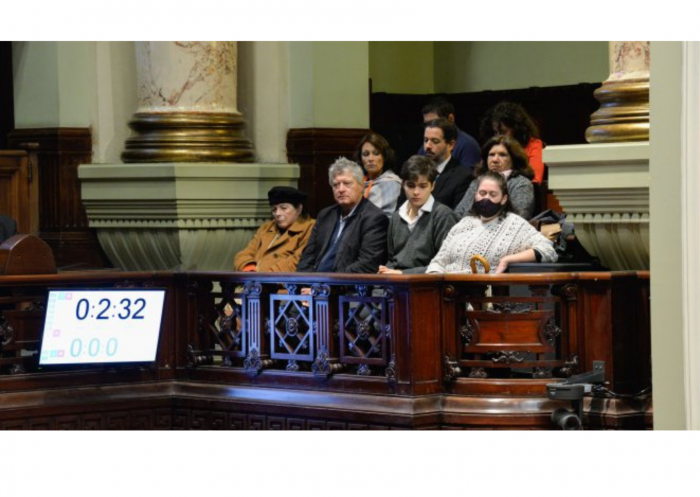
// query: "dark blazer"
[[450, 186], [362, 245]]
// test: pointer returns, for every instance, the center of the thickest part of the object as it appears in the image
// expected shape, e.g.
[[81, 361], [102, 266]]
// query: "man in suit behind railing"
[[349, 237]]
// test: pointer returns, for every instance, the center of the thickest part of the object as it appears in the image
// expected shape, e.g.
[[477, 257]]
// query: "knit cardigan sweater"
[[412, 251], [493, 241]]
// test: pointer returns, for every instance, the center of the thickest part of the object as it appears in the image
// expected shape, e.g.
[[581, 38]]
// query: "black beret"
[[286, 195]]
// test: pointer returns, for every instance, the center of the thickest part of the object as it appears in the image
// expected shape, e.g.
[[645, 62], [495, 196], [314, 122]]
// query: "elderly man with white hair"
[[349, 237]]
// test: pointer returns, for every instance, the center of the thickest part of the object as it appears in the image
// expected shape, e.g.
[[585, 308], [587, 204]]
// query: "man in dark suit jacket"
[[349, 237], [439, 140], [466, 150]]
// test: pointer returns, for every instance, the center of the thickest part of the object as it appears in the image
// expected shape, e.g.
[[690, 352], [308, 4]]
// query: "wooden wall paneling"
[[19, 190], [7, 99], [425, 351], [631, 328], [315, 149], [63, 223], [596, 329]]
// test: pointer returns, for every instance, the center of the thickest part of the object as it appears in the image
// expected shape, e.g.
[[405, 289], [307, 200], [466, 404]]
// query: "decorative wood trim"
[[63, 223], [314, 149], [612, 309]]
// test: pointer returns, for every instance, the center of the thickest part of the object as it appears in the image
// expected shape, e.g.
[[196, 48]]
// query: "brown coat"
[[283, 255]]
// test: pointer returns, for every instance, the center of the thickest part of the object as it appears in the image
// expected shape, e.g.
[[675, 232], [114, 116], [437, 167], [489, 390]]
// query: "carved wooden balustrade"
[[248, 350], [341, 332]]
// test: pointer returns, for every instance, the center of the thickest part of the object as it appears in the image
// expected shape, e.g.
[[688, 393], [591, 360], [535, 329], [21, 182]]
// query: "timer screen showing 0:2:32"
[[101, 326]]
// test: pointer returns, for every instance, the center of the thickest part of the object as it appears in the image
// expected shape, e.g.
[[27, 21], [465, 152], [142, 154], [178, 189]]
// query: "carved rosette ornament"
[[253, 362], [568, 291], [624, 97], [324, 365], [187, 104], [448, 293], [252, 289], [321, 365], [467, 333], [320, 290], [363, 330], [551, 332], [292, 327]]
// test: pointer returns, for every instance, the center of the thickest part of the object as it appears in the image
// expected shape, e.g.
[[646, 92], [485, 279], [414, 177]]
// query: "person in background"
[[511, 119], [278, 244], [439, 139], [466, 150], [381, 185], [349, 237], [418, 228], [493, 232], [503, 155]]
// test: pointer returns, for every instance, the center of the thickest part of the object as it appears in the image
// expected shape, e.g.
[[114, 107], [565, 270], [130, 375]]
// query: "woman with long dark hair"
[[511, 119], [382, 185], [503, 154]]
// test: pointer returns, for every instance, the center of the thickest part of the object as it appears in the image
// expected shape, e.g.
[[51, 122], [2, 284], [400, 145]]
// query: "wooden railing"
[[358, 351]]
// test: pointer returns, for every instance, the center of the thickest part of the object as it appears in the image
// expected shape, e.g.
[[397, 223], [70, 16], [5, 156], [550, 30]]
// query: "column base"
[[623, 115], [187, 137]]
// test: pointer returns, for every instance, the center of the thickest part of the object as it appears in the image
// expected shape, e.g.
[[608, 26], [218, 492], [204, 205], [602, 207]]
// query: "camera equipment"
[[573, 389]]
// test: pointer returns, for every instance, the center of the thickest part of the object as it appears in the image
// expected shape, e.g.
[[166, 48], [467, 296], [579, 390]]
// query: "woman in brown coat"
[[278, 244]]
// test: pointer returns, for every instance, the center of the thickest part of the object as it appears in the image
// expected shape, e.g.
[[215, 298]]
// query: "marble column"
[[624, 97], [603, 186], [188, 195], [187, 104]]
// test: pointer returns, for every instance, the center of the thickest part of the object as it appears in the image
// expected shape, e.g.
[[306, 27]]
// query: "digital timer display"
[[101, 326]]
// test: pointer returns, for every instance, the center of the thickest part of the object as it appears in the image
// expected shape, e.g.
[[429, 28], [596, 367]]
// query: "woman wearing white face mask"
[[492, 231], [504, 155]]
